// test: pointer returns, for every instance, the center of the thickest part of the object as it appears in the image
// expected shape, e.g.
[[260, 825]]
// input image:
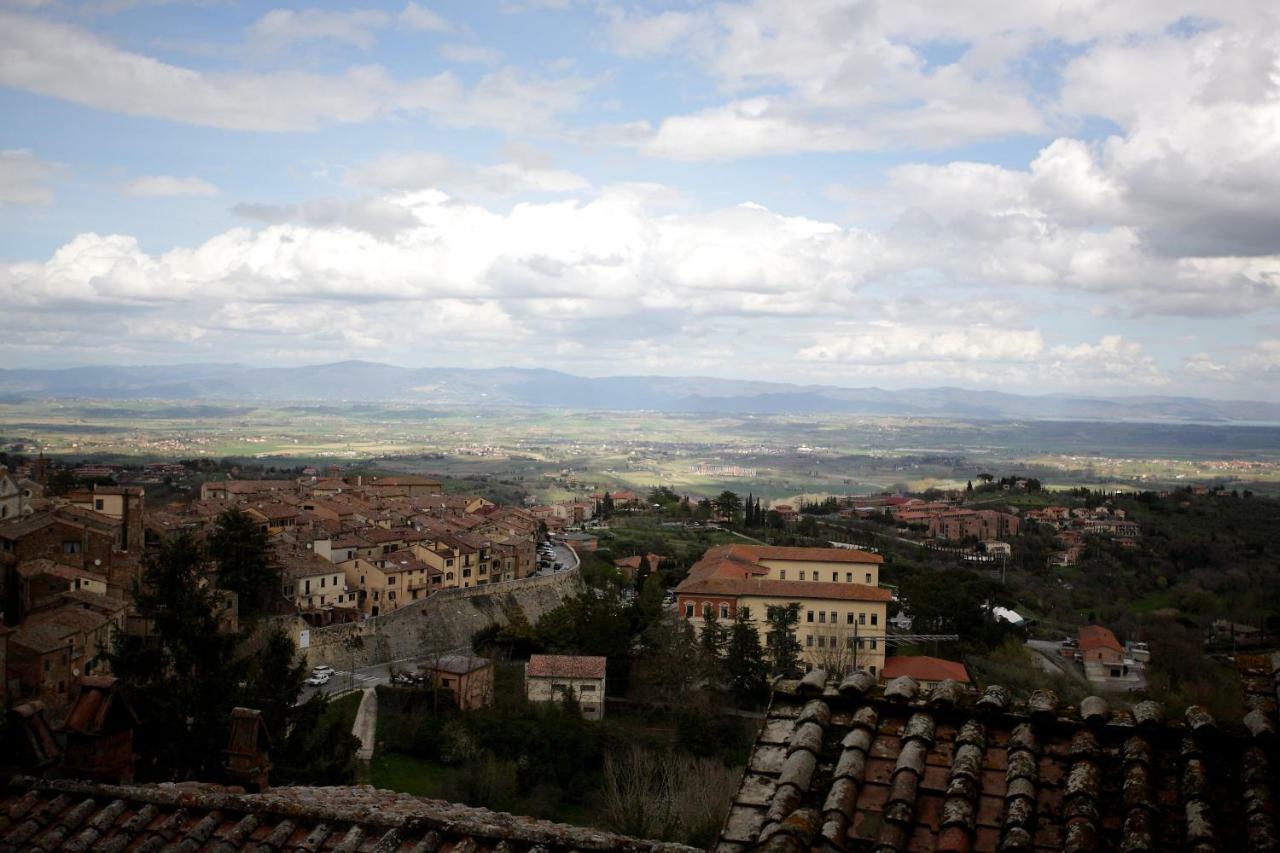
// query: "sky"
[[1043, 196]]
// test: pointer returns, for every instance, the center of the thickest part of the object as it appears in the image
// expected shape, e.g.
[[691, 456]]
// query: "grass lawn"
[[1152, 601], [344, 708], [397, 772]]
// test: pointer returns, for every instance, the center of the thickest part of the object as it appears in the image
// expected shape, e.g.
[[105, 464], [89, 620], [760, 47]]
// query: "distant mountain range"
[[362, 381]]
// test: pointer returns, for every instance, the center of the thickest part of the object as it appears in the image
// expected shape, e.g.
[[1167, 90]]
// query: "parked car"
[[319, 678], [322, 669]]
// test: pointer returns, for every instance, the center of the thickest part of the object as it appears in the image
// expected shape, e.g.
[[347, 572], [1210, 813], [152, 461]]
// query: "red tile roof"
[[1096, 637], [823, 555], [924, 668], [793, 590], [565, 666]]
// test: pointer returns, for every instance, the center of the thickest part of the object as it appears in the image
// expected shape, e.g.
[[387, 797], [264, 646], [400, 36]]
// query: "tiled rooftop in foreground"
[[851, 767], [82, 816]]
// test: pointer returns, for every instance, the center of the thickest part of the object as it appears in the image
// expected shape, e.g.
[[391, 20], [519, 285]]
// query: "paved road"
[[365, 676], [1049, 658], [564, 554]]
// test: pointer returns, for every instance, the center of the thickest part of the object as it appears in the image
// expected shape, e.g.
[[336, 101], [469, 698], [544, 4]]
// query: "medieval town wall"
[[446, 620]]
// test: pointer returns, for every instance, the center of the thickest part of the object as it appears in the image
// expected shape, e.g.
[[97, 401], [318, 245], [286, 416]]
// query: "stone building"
[[551, 678]]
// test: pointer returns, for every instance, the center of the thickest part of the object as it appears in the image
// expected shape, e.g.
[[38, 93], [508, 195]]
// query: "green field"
[[559, 453]]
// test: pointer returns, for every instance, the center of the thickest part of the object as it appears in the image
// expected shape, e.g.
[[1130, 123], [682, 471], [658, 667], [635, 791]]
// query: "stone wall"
[[446, 620]]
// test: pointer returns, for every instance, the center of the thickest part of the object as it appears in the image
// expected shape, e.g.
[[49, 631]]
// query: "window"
[[588, 688], [868, 577], [745, 611], [834, 616], [802, 575], [873, 644], [71, 546], [449, 576], [849, 618], [391, 595], [306, 587], [849, 642], [873, 670], [466, 573], [98, 504], [808, 617], [862, 618], [822, 642], [688, 611], [322, 580], [391, 579], [848, 577], [782, 574], [822, 616], [706, 611], [835, 577], [875, 618], [808, 640], [724, 611]]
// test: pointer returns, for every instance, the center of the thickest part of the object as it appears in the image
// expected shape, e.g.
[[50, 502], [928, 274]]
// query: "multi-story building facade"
[[843, 609]]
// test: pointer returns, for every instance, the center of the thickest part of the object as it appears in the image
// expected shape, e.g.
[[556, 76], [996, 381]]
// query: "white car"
[[322, 669], [319, 678]]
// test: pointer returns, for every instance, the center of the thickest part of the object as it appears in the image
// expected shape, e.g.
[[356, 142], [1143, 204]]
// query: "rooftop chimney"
[[247, 759], [99, 731]]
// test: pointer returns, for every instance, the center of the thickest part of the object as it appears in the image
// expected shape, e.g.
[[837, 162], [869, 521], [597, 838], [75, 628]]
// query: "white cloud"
[[1202, 365], [72, 64], [422, 19], [419, 170], [985, 354], [168, 186], [885, 342], [456, 52], [280, 28], [24, 177]]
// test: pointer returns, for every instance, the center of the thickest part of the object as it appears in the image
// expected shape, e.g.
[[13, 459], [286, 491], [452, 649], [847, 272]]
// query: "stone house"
[[550, 678]]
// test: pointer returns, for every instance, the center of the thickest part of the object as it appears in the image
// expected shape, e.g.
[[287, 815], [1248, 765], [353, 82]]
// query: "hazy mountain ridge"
[[372, 382]]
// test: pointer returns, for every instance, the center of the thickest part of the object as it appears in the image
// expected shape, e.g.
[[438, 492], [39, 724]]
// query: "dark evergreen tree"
[[784, 648], [241, 551], [745, 666]]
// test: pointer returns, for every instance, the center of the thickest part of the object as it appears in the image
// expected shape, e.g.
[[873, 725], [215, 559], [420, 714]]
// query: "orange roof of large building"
[[764, 588], [1097, 637], [743, 561], [924, 668]]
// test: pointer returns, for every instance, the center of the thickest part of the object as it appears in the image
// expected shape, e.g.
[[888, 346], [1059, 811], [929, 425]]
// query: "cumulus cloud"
[[168, 186], [72, 64], [24, 177], [884, 342], [985, 354]]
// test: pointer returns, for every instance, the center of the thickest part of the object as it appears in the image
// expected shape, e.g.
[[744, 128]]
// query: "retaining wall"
[[448, 619]]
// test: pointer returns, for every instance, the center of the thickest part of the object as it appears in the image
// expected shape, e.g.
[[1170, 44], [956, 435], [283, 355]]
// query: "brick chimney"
[[99, 732], [247, 755], [30, 742]]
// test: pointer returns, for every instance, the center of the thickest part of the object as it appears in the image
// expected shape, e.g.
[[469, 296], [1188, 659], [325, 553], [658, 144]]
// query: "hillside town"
[[400, 599]]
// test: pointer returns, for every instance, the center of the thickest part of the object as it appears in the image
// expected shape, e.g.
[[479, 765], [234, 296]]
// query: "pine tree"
[[784, 648], [242, 553], [745, 666]]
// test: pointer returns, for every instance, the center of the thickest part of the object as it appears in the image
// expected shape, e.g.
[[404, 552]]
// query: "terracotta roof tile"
[[565, 666], [851, 769], [66, 815]]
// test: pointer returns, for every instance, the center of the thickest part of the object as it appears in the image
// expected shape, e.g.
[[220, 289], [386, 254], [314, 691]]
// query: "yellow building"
[[843, 609]]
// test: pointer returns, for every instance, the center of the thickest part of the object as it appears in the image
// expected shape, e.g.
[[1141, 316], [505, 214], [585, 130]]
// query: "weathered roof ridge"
[[338, 808]]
